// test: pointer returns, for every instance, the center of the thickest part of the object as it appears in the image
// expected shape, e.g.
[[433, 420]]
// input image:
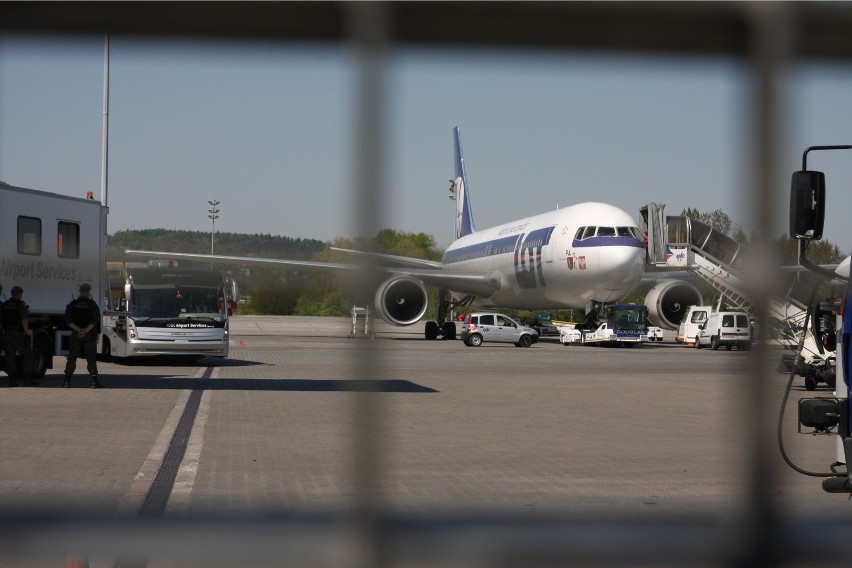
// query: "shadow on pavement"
[[251, 384]]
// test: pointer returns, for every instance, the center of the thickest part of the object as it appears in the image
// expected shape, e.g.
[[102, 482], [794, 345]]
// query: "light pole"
[[213, 215]]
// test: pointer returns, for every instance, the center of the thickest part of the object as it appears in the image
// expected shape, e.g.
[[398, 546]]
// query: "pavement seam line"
[[135, 495], [132, 500], [157, 498], [181, 494]]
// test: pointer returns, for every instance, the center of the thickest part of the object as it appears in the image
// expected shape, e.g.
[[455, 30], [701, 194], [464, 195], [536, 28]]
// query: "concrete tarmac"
[[660, 429]]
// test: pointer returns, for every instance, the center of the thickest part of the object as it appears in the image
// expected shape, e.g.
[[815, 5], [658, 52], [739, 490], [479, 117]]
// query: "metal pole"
[[105, 178], [369, 27], [105, 137], [772, 36]]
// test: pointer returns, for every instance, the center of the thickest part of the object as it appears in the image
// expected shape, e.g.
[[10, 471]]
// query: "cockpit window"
[[588, 232]]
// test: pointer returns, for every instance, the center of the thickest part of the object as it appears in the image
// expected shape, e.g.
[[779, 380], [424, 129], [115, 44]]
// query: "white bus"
[[169, 311]]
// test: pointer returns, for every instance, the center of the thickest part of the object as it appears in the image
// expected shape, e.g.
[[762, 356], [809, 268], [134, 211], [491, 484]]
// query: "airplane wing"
[[475, 283], [393, 259]]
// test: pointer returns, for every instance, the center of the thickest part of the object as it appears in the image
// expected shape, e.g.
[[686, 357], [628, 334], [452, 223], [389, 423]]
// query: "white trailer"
[[49, 245], [690, 325], [168, 311]]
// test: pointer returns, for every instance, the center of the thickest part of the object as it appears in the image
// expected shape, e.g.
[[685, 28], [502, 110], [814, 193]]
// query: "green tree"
[[324, 298], [272, 297], [819, 252]]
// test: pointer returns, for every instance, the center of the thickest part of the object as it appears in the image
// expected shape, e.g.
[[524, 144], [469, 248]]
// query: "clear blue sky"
[[267, 129]]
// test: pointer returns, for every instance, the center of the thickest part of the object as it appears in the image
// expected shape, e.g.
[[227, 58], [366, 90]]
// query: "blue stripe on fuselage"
[[504, 245], [608, 242]]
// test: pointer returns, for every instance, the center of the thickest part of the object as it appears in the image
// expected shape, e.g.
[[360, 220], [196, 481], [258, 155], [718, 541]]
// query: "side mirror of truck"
[[807, 205]]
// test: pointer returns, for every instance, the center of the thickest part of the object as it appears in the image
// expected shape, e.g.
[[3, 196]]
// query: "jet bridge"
[[723, 264]]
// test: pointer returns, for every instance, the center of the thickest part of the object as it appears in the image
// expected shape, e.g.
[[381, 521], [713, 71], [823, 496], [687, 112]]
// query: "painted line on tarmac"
[[146, 493]]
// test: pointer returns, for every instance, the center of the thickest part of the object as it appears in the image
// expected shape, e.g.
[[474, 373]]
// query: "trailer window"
[[68, 240], [29, 235]]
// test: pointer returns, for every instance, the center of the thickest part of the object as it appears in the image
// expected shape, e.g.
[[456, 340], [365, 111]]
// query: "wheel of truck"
[[697, 343], [714, 343], [728, 347], [474, 340], [42, 357], [524, 341], [449, 329], [810, 383], [432, 330]]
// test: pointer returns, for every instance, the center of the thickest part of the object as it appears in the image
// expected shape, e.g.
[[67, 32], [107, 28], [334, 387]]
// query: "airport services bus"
[[168, 311]]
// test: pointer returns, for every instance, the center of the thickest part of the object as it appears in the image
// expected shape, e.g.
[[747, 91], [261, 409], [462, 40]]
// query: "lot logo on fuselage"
[[528, 267]]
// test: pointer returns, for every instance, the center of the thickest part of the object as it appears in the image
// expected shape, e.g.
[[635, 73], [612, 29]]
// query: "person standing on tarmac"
[[84, 318], [14, 315]]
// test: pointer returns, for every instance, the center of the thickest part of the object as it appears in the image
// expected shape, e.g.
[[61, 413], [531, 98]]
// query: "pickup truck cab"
[[480, 327]]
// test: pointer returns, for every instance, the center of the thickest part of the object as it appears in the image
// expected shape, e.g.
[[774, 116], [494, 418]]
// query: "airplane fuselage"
[[560, 259]]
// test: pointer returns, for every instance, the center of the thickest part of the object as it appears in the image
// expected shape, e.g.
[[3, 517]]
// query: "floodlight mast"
[[213, 215]]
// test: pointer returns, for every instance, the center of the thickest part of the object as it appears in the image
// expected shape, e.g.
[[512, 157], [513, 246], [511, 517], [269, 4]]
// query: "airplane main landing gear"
[[432, 330], [444, 327]]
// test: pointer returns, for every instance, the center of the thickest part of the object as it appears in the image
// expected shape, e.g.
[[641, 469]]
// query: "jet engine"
[[668, 301], [401, 300]]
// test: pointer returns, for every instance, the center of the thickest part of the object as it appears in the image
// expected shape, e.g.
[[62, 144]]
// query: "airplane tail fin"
[[464, 215]]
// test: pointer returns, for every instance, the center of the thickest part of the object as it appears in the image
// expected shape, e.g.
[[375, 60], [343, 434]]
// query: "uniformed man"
[[84, 318], [14, 315]]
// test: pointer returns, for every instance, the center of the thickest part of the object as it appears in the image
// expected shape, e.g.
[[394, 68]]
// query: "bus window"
[[29, 235]]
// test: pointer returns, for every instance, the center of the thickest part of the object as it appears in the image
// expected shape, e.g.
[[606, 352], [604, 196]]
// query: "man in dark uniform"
[[84, 318], [13, 314]]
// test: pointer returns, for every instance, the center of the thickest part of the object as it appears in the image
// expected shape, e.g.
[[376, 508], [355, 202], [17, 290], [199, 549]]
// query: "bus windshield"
[[630, 318], [178, 301]]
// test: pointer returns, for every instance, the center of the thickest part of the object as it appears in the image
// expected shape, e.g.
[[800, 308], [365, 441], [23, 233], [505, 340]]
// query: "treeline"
[[236, 244]]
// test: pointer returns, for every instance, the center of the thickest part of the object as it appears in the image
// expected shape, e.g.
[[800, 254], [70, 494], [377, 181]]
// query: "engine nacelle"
[[668, 301], [401, 300]]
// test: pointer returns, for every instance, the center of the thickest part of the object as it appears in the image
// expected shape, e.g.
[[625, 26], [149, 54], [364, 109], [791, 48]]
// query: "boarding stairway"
[[721, 262]]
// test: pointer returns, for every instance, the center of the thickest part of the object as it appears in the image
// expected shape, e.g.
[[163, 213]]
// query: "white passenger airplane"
[[567, 258]]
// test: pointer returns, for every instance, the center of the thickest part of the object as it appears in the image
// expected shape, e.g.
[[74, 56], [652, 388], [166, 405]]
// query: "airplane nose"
[[624, 267]]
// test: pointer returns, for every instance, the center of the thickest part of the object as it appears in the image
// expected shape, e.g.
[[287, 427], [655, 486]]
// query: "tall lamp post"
[[213, 215]]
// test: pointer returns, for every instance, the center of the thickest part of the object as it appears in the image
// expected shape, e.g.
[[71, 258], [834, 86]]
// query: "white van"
[[690, 325], [725, 328]]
